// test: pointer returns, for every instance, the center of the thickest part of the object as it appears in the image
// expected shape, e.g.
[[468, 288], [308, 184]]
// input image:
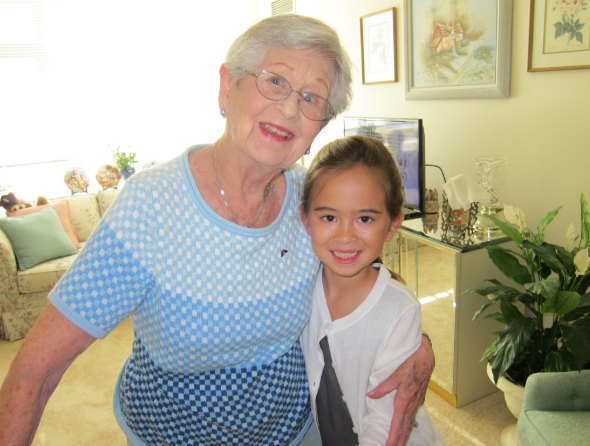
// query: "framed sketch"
[[559, 35], [378, 47], [458, 49]]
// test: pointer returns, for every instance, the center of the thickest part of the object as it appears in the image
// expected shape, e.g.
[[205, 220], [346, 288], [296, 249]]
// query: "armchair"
[[555, 410]]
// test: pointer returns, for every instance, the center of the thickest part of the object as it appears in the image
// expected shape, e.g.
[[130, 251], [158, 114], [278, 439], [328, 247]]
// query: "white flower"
[[515, 216], [582, 262], [570, 236]]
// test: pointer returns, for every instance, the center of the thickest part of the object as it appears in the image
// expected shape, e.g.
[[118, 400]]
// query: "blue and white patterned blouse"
[[217, 310]]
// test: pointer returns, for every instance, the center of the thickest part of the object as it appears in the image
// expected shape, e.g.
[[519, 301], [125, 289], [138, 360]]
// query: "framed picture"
[[378, 47], [559, 35], [458, 49]]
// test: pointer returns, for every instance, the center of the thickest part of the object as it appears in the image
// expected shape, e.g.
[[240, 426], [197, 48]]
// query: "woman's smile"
[[274, 131]]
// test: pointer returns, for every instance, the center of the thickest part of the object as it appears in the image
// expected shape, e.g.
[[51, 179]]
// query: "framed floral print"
[[559, 35]]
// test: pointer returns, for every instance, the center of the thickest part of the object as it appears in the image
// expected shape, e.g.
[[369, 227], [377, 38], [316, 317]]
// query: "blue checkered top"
[[217, 310]]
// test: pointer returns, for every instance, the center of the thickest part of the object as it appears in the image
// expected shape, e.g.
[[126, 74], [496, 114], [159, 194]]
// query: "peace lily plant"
[[552, 334]]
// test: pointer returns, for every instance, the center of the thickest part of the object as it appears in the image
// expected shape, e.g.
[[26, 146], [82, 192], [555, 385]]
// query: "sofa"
[[23, 293], [555, 410]]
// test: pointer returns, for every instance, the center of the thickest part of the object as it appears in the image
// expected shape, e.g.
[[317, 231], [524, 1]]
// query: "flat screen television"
[[405, 140]]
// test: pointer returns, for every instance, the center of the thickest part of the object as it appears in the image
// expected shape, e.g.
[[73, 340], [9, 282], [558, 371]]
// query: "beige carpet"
[[80, 411]]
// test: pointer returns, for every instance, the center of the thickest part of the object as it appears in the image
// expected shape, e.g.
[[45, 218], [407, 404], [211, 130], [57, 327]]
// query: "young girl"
[[364, 323]]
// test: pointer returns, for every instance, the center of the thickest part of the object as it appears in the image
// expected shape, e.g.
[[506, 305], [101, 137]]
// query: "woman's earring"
[[222, 111]]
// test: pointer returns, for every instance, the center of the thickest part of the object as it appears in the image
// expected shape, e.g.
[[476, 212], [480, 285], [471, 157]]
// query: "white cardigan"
[[367, 346]]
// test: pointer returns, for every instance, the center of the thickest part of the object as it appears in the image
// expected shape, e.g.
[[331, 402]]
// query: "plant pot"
[[513, 395]]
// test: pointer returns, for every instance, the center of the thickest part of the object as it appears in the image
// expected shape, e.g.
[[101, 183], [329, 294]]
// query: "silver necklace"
[[256, 216]]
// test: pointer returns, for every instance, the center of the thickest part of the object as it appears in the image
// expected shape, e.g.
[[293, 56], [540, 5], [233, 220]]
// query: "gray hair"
[[292, 31]]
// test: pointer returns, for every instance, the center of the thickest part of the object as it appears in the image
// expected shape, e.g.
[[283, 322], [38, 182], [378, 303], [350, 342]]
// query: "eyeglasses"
[[276, 88]]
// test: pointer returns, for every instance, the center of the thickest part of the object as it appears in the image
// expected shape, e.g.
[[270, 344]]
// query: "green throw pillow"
[[37, 238]]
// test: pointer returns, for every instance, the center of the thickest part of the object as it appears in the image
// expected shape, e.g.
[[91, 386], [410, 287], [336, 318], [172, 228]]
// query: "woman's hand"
[[411, 381]]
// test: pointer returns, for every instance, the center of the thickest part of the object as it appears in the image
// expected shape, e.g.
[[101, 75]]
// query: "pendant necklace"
[[256, 216]]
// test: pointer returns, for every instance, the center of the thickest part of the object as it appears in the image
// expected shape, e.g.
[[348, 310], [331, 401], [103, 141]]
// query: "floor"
[[80, 411]]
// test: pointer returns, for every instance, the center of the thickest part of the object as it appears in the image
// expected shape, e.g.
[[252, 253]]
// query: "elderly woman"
[[208, 255]]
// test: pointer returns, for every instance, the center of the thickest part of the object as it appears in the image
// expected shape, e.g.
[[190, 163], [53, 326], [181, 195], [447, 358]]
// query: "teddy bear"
[[11, 203]]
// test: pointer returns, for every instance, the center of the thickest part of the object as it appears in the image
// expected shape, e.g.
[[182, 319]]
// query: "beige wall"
[[543, 128]]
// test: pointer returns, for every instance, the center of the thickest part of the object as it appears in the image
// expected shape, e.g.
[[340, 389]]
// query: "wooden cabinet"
[[439, 267]]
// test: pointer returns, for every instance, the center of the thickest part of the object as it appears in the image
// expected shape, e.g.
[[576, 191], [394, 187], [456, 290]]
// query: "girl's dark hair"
[[347, 153]]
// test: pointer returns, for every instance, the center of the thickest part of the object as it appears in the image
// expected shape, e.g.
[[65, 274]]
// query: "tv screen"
[[405, 140]]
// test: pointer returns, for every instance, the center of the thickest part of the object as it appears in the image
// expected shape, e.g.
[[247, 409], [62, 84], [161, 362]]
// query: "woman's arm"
[[411, 381], [49, 348]]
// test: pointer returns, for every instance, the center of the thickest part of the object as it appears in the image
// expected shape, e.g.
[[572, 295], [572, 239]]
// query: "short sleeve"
[[112, 274]]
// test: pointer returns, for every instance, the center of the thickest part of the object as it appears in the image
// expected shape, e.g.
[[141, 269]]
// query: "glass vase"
[[491, 171]]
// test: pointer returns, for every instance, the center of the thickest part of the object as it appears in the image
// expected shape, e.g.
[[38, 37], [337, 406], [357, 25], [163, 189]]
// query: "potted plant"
[[125, 163], [552, 334]]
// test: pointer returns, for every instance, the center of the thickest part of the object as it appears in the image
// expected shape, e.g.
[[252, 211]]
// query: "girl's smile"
[[348, 222]]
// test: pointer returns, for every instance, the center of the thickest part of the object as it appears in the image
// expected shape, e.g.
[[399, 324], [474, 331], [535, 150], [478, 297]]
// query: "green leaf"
[[584, 284], [579, 36], [582, 310], [547, 288], [498, 317], [510, 311], [547, 219], [495, 282], [584, 301], [567, 259], [545, 271], [489, 351], [496, 289], [546, 254], [563, 303], [508, 230], [509, 265], [576, 337], [585, 215], [511, 342], [562, 361], [537, 239], [525, 298], [483, 308]]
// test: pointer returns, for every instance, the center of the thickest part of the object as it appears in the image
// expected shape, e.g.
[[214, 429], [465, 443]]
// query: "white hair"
[[292, 31]]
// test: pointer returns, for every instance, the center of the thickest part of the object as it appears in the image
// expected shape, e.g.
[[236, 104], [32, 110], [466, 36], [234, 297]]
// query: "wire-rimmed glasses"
[[276, 88]]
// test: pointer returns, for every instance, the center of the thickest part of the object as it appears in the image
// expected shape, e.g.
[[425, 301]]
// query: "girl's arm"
[[410, 380], [49, 348]]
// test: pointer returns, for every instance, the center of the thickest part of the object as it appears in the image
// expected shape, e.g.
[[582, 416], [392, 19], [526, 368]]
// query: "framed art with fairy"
[[559, 35], [458, 49]]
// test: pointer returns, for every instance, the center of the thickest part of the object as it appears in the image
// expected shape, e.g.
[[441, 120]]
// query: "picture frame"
[[466, 57], [554, 44], [379, 47]]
